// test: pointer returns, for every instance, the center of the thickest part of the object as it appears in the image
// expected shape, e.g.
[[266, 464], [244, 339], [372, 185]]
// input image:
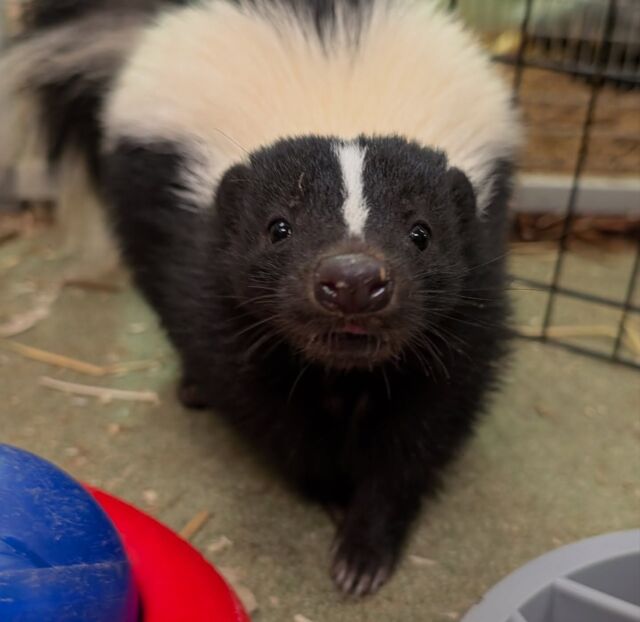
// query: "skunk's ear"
[[462, 194], [231, 187]]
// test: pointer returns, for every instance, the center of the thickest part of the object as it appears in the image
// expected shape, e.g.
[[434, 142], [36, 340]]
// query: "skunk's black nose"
[[353, 284]]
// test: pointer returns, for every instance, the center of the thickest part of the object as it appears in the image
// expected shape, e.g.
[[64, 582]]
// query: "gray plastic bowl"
[[596, 580]]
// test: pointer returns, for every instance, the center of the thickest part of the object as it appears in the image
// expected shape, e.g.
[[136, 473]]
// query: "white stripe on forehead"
[[354, 208]]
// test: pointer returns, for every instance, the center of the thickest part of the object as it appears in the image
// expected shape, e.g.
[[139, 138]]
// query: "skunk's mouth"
[[350, 345], [347, 341]]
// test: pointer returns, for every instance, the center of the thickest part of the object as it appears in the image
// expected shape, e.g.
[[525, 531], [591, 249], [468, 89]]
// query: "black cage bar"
[[599, 71]]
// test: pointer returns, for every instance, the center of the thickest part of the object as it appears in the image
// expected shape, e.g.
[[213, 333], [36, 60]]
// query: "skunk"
[[312, 196]]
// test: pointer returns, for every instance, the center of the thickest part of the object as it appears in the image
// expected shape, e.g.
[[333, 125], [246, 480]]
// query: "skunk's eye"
[[280, 230], [420, 235]]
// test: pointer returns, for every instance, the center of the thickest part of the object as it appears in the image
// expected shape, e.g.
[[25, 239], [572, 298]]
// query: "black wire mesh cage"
[[594, 46], [575, 71]]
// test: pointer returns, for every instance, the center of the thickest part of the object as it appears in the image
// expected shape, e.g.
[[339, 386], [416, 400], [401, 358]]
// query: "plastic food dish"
[[62, 558], [596, 580], [174, 581]]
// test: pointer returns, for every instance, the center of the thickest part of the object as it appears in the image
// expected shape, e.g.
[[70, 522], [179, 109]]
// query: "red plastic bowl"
[[176, 584]]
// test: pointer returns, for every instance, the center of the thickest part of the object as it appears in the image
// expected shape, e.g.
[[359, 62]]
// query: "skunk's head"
[[350, 252]]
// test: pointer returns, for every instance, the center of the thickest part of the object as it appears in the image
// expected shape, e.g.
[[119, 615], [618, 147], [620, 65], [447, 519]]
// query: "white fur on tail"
[[217, 75], [90, 49]]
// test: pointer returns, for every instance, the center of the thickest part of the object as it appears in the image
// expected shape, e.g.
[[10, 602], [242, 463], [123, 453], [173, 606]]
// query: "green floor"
[[557, 460]]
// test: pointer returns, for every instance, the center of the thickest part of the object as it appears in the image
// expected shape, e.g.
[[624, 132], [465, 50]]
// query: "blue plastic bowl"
[[61, 560]]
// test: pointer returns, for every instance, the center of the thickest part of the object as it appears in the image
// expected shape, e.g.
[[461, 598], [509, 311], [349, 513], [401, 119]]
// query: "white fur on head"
[[218, 78], [355, 211]]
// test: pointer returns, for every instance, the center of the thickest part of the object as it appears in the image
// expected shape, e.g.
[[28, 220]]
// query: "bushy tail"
[[53, 80]]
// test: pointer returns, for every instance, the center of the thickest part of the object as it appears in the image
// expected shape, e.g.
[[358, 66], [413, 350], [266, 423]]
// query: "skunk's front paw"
[[191, 395], [361, 563]]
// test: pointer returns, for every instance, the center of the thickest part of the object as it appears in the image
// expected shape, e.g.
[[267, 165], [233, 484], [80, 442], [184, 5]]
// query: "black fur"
[[43, 14], [371, 439]]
